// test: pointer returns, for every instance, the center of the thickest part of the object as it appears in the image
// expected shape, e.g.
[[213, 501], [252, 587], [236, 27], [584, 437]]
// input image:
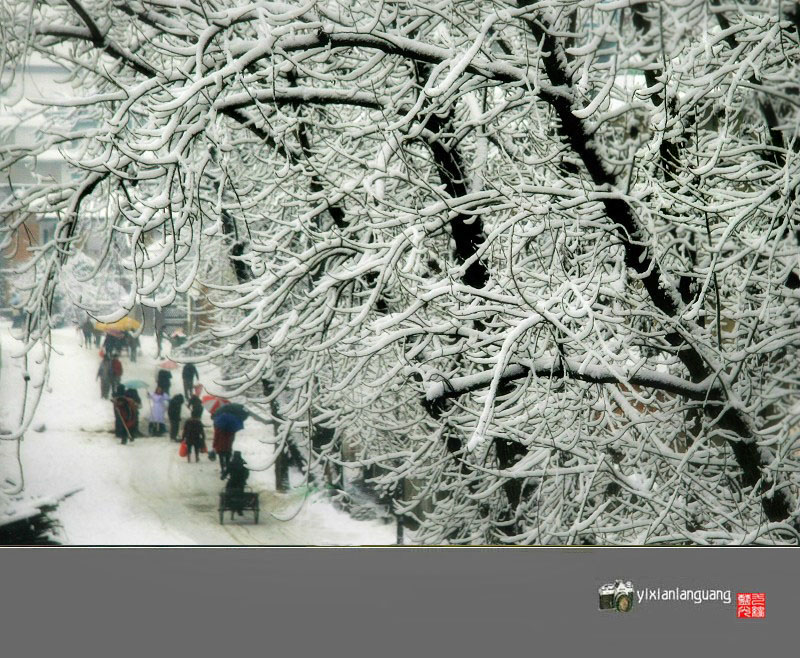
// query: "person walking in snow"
[[116, 373], [104, 375], [111, 344], [158, 326], [119, 423], [125, 414], [88, 331], [133, 396], [174, 413], [195, 436], [133, 345], [158, 412], [189, 374], [223, 444], [195, 407]]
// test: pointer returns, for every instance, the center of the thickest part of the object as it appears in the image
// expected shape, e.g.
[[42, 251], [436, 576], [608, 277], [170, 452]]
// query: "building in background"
[[21, 124]]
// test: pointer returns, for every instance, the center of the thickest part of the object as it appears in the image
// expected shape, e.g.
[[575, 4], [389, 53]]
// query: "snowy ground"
[[144, 493]]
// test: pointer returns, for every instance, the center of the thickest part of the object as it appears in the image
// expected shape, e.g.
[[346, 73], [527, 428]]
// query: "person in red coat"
[[223, 445], [116, 373]]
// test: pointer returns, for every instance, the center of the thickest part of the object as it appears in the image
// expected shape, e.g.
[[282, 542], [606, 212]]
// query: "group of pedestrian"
[[163, 409], [114, 342], [90, 334], [194, 432]]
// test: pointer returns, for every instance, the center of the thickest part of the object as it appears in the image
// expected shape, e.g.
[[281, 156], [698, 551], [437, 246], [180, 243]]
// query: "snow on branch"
[[573, 368], [298, 95]]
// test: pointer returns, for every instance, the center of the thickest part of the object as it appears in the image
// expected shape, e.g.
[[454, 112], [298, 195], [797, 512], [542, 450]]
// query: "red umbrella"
[[213, 402], [168, 365]]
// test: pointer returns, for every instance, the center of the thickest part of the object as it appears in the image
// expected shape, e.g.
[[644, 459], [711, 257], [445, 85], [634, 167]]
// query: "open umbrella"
[[240, 411], [135, 383], [233, 408], [125, 324], [228, 422], [168, 365], [213, 402]]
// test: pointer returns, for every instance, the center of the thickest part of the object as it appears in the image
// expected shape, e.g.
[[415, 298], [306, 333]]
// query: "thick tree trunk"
[[282, 472]]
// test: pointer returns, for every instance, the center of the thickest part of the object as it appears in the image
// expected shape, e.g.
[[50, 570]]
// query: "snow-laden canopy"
[[537, 261]]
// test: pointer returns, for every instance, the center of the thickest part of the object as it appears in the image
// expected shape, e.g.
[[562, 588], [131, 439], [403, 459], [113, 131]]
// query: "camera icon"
[[616, 596]]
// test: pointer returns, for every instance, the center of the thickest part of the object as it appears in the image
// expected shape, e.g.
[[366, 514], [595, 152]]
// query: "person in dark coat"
[[174, 409], [133, 345], [159, 330], [195, 407], [195, 436], [104, 375], [237, 475], [189, 374], [87, 330], [164, 380], [119, 423], [111, 345], [133, 395], [223, 444]]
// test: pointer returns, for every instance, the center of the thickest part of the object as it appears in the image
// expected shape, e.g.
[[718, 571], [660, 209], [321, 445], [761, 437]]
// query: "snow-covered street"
[[144, 493]]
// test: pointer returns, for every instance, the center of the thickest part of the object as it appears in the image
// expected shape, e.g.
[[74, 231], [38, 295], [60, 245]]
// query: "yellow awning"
[[125, 324]]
